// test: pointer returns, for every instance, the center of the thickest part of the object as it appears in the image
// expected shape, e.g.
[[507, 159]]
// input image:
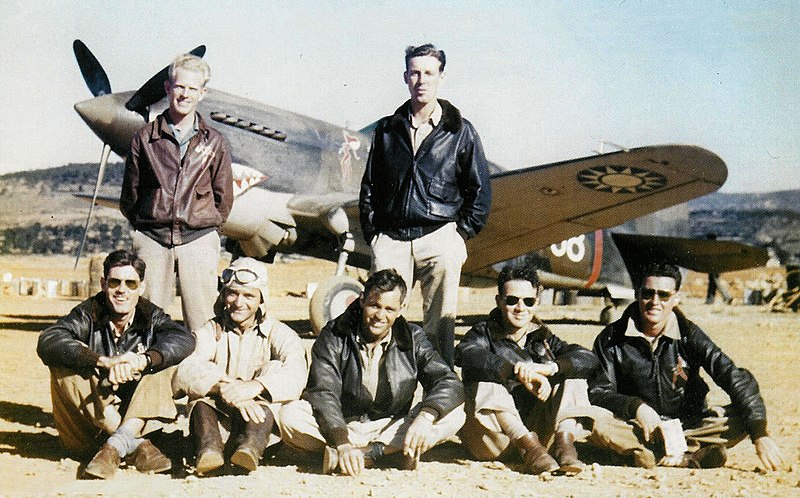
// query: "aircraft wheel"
[[330, 299], [609, 314]]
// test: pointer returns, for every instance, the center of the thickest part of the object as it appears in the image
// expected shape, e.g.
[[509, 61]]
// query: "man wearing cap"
[[525, 386], [365, 367], [112, 359], [245, 366], [650, 379], [177, 191]]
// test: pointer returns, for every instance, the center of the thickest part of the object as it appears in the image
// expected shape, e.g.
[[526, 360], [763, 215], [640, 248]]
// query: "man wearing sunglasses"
[[650, 378], [245, 367], [366, 365], [111, 365], [526, 388]]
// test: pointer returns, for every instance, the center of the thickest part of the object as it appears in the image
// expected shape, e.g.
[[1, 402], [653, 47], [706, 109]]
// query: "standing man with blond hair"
[[425, 191], [177, 192]]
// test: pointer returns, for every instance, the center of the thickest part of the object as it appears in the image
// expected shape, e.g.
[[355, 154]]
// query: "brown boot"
[[563, 450], [104, 464], [707, 457], [205, 429], [534, 455], [254, 440], [148, 458]]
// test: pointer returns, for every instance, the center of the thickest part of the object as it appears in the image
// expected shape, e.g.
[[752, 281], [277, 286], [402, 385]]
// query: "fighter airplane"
[[297, 179]]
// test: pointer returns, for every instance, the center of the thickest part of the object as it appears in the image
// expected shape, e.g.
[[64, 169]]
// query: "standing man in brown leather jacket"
[[177, 192]]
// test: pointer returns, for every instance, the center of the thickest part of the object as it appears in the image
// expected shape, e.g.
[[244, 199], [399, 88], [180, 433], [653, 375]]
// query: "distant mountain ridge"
[[39, 214]]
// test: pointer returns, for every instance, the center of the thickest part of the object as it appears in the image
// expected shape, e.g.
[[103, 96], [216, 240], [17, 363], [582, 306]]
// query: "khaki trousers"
[[719, 426], [300, 429], [482, 434], [435, 261], [196, 263], [86, 413]]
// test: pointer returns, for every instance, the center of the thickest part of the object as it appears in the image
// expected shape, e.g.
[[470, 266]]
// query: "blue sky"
[[541, 81]]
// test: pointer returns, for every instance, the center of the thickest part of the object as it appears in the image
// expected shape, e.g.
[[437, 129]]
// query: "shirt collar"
[[434, 119], [671, 329], [362, 343]]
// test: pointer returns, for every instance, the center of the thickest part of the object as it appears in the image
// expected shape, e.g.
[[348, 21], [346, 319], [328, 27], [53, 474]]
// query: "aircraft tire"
[[608, 315], [330, 299]]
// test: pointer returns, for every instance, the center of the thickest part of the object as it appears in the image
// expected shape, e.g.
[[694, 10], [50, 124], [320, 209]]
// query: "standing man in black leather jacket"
[[365, 367], [650, 377], [525, 386], [111, 362], [425, 191]]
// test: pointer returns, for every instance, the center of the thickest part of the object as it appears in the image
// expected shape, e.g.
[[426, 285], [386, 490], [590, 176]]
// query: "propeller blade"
[[93, 74], [153, 90], [100, 173]]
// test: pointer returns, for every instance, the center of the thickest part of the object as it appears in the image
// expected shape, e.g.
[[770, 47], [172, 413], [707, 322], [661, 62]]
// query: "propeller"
[[153, 90], [93, 73]]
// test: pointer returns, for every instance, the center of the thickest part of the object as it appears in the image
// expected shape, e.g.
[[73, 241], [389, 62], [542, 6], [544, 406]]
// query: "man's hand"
[[649, 419], [251, 411], [769, 453], [239, 391], [539, 386], [419, 437], [351, 459], [124, 368]]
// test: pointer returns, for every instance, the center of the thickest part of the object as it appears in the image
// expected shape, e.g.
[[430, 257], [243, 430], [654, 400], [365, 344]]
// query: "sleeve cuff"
[[757, 429], [564, 366], [156, 360], [430, 411], [507, 370], [88, 357], [338, 436]]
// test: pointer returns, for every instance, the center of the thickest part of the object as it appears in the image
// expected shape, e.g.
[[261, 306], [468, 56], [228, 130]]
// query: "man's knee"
[[481, 442]]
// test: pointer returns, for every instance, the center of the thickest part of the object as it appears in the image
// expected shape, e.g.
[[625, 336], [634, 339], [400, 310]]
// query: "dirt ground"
[[32, 462]]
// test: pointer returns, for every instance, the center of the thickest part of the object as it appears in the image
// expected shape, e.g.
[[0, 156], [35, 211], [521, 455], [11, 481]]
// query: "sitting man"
[[365, 366], [111, 362], [245, 366], [650, 379], [524, 385]]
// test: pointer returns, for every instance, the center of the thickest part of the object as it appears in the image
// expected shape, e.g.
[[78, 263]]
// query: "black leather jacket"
[[407, 195], [485, 355], [77, 340], [668, 379], [335, 389]]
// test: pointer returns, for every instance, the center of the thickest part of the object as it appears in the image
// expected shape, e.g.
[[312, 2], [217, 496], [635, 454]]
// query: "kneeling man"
[[650, 379], [245, 366], [365, 366], [111, 371], [524, 385]]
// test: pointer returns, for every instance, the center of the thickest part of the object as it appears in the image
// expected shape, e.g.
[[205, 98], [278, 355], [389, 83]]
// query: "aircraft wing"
[[535, 207], [107, 200], [705, 256]]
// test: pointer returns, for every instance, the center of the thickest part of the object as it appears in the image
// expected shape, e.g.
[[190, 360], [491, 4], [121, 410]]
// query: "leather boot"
[[104, 464], [534, 455], [205, 429], [148, 458], [253, 442], [707, 457], [563, 450]]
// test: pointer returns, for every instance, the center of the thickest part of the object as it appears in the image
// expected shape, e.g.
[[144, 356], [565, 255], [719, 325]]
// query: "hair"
[[190, 62], [516, 271], [386, 281], [423, 50], [121, 257], [659, 270]]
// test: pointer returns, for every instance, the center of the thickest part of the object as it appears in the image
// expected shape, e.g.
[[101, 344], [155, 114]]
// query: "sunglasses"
[[647, 294], [527, 301], [131, 284], [242, 276]]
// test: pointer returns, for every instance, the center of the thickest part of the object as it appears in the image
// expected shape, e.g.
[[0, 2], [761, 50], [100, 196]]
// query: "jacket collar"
[[628, 324], [161, 128], [347, 324], [451, 116]]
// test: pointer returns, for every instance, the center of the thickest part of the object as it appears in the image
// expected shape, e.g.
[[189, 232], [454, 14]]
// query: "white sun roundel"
[[621, 179]]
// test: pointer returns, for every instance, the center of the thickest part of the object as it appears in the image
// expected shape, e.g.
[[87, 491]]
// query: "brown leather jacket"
[[170, 198]]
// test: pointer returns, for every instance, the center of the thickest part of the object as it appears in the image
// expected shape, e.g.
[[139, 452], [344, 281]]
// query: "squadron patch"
[[621, 179]]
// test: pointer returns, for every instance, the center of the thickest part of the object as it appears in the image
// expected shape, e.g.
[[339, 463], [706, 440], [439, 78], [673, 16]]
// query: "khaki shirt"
[[270, 352], [420, 131]]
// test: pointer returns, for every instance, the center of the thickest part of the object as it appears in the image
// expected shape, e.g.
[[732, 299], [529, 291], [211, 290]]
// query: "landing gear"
[[613, 310]]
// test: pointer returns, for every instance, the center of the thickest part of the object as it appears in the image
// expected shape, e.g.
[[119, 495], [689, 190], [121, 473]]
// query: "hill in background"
[[39, 214]]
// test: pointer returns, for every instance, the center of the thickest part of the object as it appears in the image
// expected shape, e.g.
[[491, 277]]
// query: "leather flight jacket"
[[336, 391], [172, 199], [78, 339], [485, 354], [407, 195], [668, 378]]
